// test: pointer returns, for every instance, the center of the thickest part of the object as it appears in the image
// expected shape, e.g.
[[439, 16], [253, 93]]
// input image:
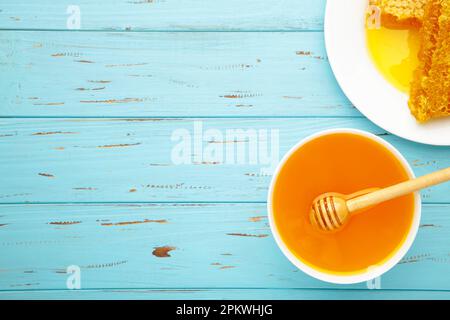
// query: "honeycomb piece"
[[401, 13], [430, 87]]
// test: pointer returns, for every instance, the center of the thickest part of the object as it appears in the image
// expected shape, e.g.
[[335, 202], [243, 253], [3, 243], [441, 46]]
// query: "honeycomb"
[[430, 88], [401, 13]]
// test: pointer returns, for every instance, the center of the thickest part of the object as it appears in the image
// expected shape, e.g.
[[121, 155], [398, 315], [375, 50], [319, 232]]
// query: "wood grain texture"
[[211, 246], [178, 15], [104, 160], [227, 294], [86, 120], [168, 74]]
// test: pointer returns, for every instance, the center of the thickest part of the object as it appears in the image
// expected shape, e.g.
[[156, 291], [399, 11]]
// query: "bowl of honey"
[[372, 242]]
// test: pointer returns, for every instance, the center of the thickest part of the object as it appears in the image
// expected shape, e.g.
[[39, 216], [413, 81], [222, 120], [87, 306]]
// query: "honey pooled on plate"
[[394, 41], [369, 238], [394, 53]]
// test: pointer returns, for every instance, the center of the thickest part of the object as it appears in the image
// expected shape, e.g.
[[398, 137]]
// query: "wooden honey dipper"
[[330, 211]]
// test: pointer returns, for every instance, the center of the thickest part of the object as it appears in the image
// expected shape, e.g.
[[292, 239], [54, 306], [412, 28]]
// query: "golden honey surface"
[[394, 53]]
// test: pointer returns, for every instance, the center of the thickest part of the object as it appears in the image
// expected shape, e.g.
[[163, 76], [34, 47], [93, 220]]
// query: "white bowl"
[[372, 272]]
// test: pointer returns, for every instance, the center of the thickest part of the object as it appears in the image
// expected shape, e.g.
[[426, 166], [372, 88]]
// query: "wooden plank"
[[104, 160], [177, 15], [168, 74], [181, 246], [227, 294]]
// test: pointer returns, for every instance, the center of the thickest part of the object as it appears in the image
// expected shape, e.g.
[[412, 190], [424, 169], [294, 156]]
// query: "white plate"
[[365, 87]]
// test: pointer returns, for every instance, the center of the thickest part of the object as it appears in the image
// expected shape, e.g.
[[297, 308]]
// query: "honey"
[[370, 238], [395, 54]]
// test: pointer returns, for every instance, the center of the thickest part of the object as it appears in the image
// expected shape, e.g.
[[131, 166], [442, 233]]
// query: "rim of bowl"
[[372, 271]]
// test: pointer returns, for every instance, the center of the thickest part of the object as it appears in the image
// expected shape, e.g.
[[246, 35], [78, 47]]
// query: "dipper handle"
[[398, 190]]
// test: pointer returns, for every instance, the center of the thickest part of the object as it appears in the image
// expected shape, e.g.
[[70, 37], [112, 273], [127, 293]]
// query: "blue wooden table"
[[117, 120]]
